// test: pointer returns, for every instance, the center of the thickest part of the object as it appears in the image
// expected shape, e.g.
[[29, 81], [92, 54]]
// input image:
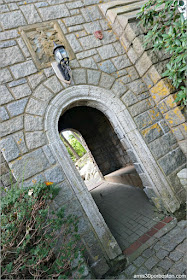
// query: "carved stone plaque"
[[39, 40]]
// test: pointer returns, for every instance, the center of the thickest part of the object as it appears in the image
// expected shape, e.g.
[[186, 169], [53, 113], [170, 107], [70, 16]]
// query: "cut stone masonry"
[[115, 75]]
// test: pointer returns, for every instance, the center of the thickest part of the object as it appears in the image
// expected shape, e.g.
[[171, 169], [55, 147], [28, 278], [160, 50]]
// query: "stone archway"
[[126, 130], [123, 124]]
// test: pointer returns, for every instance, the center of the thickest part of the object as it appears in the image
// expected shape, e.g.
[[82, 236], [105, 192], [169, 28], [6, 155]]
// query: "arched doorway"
[[129, 136], [99, 135]]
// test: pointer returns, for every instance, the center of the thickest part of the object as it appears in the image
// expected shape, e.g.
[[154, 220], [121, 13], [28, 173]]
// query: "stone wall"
[[105, 76], [161, 122]]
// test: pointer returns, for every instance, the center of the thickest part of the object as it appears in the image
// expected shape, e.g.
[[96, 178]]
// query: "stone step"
[[126, 175]]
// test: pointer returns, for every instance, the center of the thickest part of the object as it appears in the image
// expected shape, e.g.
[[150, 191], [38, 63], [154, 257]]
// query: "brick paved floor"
[[166, 254], [126, 210]]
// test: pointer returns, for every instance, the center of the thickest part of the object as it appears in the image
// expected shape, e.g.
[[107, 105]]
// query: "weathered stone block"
[[137, 86], [100, 267], [74, 43], [5, 76], [151, 262], [89, 42], [3, 114], [4, 8], [93, 77], [91, 12], [74, 20], [164, 126], [143, 120], [5, 95], [13, 6], [89, 27], [143, 64], [35, 139], [65, 194], [147, 80], [125, 42], [10, 56], [32, 122], [140, 107], [88, 63], [108, 37], [55, 174], [129, 98], [174, 117], [86, 54], [163, 145], [17, 108], [119, 88], [119, 48], [17, 83], [36, 107], [132, 55], [12, 125], [155, 114], [41, 4], [159, 91], [165, 264], [9, 34], [20, 141], [9, 148], [53, 12], [43, 93], [74, 64], [178, 134], [162, 107], [106, 81], [23, 47], [21, 91], [79, 76], [107, 66], [29, 164], [33, 180], [7, 44], [36, 79], [154, 75], [125, 79], [12, 19], [49, 154], [23, 69], [74, 5], [172, 161], [121, 62], [107, 51], [151, 133], [30, 13]]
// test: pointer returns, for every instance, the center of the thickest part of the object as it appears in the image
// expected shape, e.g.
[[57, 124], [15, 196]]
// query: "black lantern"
[[62, 58]]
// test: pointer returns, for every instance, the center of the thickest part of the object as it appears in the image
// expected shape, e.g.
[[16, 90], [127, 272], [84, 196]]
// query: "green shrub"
[[37, 243], [166, 30]]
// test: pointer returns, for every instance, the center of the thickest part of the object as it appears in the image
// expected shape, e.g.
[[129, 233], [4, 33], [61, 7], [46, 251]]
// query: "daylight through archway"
[[118, 193]]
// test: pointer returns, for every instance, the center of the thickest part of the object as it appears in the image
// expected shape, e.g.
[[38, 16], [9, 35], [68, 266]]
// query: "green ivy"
[[37, 243], [166, 30]]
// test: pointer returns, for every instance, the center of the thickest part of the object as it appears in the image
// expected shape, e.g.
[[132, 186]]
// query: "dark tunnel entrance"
[[119, 195], [99, 136]]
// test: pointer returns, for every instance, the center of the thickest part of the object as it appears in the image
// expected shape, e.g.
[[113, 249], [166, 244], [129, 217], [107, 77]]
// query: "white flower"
[[30, 192]]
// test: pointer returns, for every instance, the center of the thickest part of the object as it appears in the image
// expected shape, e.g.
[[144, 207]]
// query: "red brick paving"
[[167, 219], [133, 247], [152, 231], [143, 238], [160, 225]]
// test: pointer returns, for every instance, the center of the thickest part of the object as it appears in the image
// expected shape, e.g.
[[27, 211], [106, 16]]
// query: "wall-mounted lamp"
[[61, 66]]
